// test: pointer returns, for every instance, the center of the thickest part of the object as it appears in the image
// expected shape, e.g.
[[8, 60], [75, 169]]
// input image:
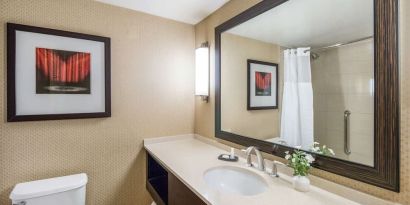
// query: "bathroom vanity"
[[185, 170], [290, 75]]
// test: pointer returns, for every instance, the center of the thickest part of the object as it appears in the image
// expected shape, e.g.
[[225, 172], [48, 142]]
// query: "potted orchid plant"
[[300, 162], [323, 150]]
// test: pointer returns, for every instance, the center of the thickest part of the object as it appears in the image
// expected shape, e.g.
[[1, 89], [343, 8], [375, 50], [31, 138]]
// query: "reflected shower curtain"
[[297, 103]]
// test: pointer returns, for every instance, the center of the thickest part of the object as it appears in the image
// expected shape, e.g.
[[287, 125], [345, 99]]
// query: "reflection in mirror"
[[325, 84]]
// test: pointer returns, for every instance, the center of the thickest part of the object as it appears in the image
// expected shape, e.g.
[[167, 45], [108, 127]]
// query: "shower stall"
[[343, 90]]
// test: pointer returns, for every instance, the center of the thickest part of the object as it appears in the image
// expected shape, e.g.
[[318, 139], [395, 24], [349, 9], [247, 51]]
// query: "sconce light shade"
[[202, 70]]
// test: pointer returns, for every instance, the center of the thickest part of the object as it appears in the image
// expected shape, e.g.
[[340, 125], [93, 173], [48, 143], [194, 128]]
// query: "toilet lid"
[[45, 187]]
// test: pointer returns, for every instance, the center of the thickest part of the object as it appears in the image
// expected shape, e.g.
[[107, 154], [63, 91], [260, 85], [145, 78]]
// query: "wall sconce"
[[202, 71]]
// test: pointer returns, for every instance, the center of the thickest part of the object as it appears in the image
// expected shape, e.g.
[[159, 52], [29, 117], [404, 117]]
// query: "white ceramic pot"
[[301, 183]]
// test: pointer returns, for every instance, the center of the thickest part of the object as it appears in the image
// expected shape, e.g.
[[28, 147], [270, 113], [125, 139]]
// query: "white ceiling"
[[311, 23], [187, 11]]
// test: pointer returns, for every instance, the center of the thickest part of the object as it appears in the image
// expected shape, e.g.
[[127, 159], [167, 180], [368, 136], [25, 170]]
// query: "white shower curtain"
[[297, 103]]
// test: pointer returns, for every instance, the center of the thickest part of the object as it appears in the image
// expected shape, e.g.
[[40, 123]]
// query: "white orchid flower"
[[332, 152], [309, 158]]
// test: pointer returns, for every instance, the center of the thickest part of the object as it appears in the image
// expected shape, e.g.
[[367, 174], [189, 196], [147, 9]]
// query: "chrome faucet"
[[261, 162]]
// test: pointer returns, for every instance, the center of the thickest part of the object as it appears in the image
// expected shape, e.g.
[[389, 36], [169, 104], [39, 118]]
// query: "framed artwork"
[[53, 74], [262, 85]]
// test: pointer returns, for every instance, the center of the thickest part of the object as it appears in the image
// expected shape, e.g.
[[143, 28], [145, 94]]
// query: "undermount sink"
[[235, 180]]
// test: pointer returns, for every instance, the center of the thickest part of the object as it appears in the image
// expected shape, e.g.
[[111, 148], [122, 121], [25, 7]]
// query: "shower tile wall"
[[342, 79]]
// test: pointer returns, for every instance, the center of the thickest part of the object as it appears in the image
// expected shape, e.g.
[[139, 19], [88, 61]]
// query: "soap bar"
[[227, 157]]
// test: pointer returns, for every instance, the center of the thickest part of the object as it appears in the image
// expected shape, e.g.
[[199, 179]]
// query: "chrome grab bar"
[[347, 132]]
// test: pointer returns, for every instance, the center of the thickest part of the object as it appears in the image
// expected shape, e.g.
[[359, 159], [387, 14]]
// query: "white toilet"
[[67, 190]]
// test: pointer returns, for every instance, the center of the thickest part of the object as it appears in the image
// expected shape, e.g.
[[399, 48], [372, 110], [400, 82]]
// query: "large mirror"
[[321, 88], [302, 75]]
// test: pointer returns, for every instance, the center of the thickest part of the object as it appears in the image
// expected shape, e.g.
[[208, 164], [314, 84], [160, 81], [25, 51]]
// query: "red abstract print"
[[263, 83], [61, 71]]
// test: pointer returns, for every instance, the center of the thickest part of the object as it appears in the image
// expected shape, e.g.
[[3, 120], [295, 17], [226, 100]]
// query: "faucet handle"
[[246, 151], [274, 171], [248, 156]]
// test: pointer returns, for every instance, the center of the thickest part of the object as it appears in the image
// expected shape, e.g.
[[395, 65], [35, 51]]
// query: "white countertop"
[[188, 158]]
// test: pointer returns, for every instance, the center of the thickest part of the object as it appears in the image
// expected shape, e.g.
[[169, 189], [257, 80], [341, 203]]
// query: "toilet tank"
[[67, 190]]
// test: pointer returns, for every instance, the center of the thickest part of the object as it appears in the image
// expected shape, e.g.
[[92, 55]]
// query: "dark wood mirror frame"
[[385, 172]]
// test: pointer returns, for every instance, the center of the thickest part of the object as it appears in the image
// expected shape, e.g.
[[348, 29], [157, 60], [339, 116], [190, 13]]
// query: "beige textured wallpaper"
[[205, 119], [152, 95]]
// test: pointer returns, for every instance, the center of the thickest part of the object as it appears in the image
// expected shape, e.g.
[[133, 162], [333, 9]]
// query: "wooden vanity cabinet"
[[165, 188], [179, 194]]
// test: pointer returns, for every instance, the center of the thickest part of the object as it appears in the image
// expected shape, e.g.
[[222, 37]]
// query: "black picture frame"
[[276, 84], [12, 28], [386, 170]]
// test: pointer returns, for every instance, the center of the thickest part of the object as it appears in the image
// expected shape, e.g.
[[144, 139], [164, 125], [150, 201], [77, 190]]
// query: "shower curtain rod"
[[339, 44]]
